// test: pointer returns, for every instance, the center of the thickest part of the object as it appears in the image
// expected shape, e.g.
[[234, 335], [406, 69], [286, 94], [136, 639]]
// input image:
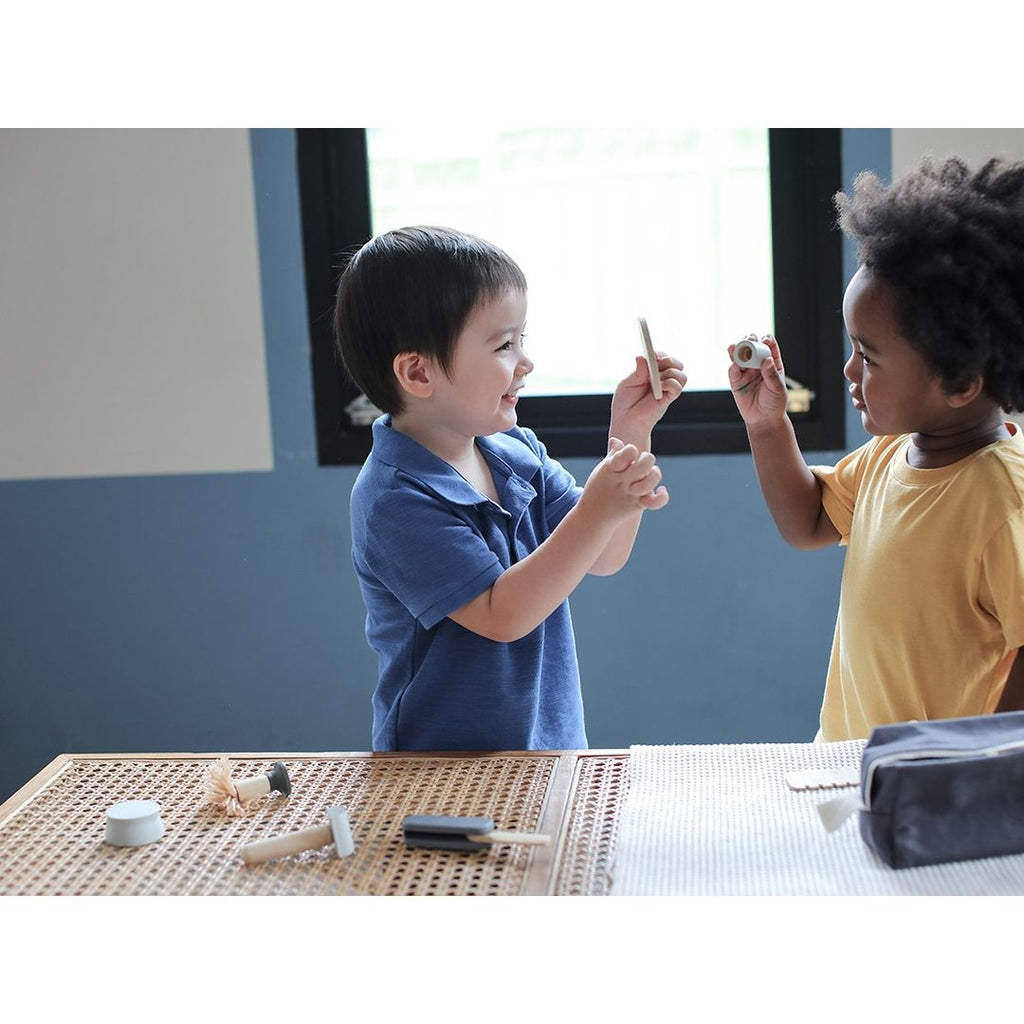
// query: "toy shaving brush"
[[234, 798]]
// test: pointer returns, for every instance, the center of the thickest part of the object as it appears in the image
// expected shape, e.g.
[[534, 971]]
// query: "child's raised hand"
[[760, 392], [635, 410], [625, 481]]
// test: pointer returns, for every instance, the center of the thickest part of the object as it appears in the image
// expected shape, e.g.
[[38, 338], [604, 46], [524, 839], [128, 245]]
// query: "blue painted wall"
[[217, 613]]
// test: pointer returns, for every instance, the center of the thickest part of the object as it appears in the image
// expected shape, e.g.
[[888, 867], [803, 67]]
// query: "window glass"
[[707, 233], [672, 224]]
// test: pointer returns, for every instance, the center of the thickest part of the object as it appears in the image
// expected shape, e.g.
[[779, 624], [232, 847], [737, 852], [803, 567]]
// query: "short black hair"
[[950, 242], [412, 290]]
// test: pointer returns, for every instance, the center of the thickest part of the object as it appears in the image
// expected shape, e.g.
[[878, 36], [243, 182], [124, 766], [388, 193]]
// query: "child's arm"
[[623, 484], [790, 489], [635, 412]]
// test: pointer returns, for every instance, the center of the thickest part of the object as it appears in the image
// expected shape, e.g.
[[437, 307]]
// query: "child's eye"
[[866, 360], [508, 344]]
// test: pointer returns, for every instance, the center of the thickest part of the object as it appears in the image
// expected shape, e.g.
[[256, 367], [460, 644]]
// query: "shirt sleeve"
[[427, 553], [839, 486], [1001, 590]]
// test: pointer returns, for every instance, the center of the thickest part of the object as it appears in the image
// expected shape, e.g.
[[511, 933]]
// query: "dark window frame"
[[807, 263]]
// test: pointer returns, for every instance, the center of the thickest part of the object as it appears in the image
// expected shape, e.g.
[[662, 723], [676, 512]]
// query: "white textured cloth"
[[720, 820]]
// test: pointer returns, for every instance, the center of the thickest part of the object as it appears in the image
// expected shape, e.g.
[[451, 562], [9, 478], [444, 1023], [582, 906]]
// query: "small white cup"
[[134, 823]]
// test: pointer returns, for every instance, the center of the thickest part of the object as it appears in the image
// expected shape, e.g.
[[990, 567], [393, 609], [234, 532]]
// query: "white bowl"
[[134, 823]]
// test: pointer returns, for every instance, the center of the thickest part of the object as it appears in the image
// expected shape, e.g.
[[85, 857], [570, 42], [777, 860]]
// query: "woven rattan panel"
[[54, 844], [592, 826]]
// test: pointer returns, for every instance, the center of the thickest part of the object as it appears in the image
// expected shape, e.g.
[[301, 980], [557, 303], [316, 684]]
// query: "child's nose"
[[851, 371], [525, 364]]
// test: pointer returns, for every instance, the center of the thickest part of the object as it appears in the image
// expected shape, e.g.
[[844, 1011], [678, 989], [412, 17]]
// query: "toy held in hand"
[[651, 357], [750, 353]]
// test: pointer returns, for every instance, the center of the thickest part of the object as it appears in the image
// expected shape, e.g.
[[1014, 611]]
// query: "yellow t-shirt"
[[931, 609]]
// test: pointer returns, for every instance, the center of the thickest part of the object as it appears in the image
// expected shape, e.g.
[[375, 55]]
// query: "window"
[[708, 234]]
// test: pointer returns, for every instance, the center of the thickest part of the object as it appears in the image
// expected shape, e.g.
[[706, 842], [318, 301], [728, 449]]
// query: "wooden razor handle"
[[281, 846]]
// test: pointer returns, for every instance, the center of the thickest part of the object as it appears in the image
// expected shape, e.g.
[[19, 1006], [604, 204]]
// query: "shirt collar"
[[508, 454]]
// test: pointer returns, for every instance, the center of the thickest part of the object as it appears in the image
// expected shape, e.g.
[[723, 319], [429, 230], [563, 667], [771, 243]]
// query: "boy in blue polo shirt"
[[466, 538]]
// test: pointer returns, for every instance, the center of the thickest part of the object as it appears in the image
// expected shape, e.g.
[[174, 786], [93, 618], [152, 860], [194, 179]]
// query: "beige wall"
[[974, 145], [131, 332]]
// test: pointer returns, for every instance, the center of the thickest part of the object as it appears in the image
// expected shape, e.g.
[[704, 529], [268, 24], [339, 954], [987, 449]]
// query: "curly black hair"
[[950, 242]]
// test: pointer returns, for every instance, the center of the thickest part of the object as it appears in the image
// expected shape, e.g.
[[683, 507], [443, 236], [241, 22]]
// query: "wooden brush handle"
[[281, 846], [529, 838], [249, 789]]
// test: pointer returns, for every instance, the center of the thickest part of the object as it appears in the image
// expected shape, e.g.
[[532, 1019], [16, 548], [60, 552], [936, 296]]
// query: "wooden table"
[[52, 830]]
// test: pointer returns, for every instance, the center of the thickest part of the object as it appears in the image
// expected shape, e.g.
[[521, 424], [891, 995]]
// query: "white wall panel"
[[131, 331]]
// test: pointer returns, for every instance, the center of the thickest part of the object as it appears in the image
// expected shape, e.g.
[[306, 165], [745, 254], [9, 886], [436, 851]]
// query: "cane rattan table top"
[[52, 831]]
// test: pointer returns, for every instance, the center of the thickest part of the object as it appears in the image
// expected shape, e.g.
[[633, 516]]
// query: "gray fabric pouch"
[[945, 790]]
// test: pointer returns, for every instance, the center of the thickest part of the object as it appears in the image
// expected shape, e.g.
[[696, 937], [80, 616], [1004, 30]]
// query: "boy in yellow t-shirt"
[[931, 509]]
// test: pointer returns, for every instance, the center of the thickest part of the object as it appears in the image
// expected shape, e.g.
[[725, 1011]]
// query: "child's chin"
[[505, 420]]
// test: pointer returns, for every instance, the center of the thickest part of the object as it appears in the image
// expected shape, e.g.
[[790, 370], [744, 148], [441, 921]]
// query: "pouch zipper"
[[923, 755]]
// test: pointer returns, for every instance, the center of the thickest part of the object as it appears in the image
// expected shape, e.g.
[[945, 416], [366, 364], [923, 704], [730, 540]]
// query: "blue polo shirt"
[[424, 543]]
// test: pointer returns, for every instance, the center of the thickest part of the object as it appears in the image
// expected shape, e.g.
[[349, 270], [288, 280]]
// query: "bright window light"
[[672, 224]]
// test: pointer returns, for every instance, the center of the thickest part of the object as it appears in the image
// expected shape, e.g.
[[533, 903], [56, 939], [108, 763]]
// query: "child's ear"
[[415, 374], [967, 394]]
